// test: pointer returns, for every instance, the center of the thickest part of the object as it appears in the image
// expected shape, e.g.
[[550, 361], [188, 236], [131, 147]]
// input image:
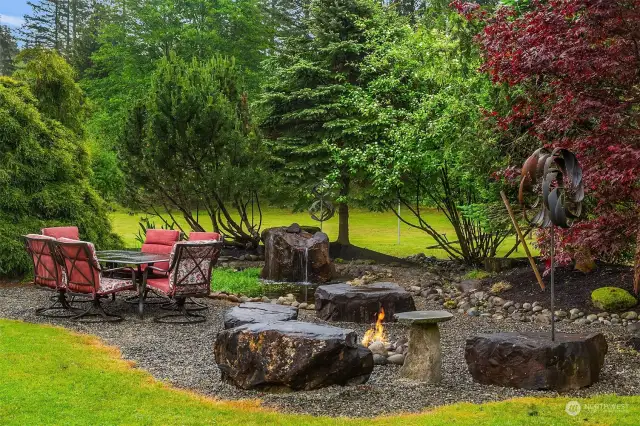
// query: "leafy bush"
[[244, 282], [612, 299], [43, 169]]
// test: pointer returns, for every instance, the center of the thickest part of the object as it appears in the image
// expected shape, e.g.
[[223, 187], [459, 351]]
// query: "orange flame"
[[377, 333]]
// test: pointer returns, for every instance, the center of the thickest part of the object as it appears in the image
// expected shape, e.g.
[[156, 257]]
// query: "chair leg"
[[158, 299], [96, 313], [180, 315], [191, 305], [60, 304]]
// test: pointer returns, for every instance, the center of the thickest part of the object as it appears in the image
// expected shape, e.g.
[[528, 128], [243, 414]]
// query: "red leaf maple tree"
[[574, 66]]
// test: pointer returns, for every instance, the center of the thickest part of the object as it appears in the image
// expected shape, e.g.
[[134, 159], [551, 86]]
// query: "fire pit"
[[424, 359]]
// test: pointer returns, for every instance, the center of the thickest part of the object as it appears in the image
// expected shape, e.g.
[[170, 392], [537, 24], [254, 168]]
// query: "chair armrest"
[[155, 268]]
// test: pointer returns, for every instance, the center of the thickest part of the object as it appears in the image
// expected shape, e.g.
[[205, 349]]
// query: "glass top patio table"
[[130, 257]]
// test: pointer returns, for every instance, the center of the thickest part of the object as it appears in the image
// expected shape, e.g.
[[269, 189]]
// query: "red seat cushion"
[[70, 232], [164, 237], [204, 236], [160, 284], [159, 241]]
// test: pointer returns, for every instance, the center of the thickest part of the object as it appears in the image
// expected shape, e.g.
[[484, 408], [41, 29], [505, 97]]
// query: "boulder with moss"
[[612, 299]]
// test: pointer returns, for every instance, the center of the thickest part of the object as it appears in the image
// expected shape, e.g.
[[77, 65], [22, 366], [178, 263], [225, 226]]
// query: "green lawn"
[[375, 231], [52, 376]]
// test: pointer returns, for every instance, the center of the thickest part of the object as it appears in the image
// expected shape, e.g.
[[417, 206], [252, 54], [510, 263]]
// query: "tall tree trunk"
[[343, 214]]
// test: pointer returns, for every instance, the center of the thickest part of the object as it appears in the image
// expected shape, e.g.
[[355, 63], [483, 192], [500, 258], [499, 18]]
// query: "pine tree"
[[8, 50], [311, 95], [56, 24]]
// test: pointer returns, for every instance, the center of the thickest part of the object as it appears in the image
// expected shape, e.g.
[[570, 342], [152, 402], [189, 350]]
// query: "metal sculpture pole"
[[556, 177], [553, 293]]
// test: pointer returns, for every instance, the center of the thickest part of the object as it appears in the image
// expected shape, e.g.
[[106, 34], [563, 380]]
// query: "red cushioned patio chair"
[[189, 275], [86, 277], [70, 232], [48, 273], [160, 241]]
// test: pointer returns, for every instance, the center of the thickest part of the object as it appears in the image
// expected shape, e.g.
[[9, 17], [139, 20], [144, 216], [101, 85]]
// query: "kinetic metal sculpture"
[[555, 178], [321, 209]]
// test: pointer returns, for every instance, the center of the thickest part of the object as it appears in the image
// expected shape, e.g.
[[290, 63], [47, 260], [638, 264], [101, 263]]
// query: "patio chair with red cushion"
[[70, 232], [189, 275], [160, 241], [48, 273], [85, 276]]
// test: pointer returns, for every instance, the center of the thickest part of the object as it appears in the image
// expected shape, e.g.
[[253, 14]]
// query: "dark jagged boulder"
[[294, 255], [533, 361], [253, 312], [361, 303], [291, 355]]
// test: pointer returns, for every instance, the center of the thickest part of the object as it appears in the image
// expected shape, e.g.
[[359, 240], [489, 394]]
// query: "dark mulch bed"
[[573, 288]]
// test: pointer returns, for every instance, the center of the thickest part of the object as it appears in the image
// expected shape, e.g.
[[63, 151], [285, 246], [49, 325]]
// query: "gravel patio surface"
[[183, 356]]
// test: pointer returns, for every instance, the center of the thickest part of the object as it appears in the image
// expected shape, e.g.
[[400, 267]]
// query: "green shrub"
[[612, 299], [246, 281], [43, 179]]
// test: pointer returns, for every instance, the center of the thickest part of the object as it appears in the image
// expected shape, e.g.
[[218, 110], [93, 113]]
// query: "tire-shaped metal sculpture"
[[555, 178]]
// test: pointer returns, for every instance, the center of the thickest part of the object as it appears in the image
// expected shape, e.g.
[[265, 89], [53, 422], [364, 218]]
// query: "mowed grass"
[[56, 377], [372, 230], [244, 282]]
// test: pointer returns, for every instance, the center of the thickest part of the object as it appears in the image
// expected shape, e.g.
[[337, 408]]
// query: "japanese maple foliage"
[[574, 67]]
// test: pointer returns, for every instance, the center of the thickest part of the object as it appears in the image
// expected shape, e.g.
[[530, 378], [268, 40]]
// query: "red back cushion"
[[81, 263], [70, 232], [159, 241], [47, 272], [204, 236]]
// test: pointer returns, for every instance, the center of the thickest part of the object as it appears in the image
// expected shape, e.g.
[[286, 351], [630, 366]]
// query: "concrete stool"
[[424, 358]]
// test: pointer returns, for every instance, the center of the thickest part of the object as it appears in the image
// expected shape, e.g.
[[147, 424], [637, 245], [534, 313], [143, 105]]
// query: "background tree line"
[[224, 105]]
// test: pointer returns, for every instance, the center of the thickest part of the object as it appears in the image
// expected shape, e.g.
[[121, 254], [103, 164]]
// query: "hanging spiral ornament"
[[554, 179]]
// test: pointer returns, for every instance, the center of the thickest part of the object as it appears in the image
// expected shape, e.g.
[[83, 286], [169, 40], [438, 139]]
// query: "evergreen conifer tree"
[[311, 96]]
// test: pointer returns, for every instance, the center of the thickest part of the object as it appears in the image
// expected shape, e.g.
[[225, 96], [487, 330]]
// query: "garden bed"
[[572, 288]]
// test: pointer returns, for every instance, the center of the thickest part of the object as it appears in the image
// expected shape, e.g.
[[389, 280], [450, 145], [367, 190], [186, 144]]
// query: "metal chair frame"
[[96, 309], [178, 306], [60, 302]]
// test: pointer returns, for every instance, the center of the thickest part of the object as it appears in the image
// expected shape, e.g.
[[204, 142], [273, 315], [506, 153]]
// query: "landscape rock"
[[344, 302], [378, 348], [296, 256], [254, 312], [291, 355], [397, 359], [533, 361], [379, 359]]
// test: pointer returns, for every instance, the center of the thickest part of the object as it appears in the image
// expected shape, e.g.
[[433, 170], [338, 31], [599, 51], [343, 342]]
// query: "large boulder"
[[291, 355], [294, 255], [350, 303], [253, 312], [533, 361]]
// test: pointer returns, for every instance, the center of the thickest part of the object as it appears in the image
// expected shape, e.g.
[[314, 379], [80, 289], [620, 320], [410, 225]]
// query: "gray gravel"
[[183, 356]]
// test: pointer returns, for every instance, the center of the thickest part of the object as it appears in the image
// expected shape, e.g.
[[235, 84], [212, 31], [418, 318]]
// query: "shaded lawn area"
[[372, 230], [53, 376]]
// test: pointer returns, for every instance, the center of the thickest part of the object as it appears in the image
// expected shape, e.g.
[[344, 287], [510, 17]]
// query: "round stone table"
[[424, 358]]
